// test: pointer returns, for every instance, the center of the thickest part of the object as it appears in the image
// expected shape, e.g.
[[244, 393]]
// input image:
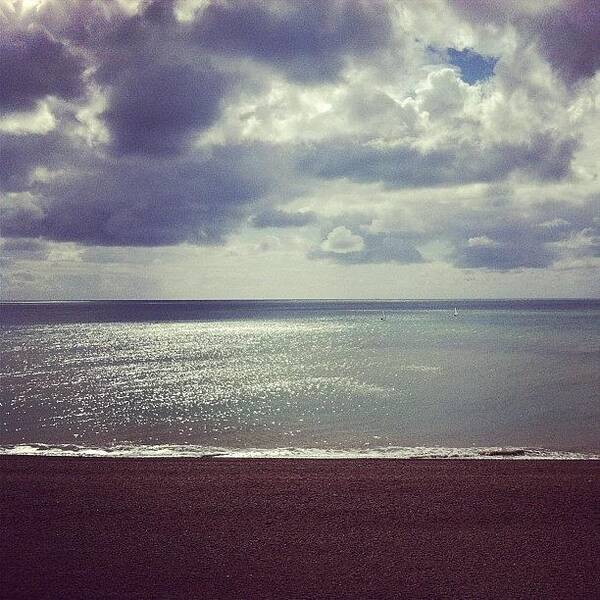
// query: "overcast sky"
[[299, 149]]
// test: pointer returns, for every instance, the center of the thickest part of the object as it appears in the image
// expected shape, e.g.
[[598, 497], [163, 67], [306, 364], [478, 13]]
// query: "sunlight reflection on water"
[[326, 380]]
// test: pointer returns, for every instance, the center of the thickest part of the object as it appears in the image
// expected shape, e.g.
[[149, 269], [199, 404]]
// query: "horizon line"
[[180, 300]]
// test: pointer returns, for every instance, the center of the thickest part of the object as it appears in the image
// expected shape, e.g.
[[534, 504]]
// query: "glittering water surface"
[[327, 378]]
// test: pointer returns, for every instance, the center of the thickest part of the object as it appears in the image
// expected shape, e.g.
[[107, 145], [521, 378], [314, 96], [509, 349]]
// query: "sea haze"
[[302, 378]]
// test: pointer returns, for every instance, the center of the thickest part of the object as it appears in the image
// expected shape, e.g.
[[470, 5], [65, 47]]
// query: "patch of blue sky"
[[474, 67]]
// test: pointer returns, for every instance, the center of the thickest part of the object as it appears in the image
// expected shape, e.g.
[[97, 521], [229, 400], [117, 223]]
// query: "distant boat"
[[455, 311], [382, 315]]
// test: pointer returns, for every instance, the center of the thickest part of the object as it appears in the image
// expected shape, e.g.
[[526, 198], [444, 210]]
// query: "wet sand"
[[249, 529]]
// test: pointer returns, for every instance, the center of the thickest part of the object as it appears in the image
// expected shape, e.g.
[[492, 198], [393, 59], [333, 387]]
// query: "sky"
[[299, 149]]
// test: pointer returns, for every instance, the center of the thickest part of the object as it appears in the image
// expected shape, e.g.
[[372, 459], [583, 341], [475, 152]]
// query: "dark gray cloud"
[[19, 155], [161, 88], [543, 157], [504, 256], [144, 202], [308, 40], [33, 65], [570, 37], [501, 233], [567, 34], [279, 218], [155, 110]]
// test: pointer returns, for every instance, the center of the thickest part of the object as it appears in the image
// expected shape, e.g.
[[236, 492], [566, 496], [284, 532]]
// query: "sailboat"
[[382, 315], [455, 311]]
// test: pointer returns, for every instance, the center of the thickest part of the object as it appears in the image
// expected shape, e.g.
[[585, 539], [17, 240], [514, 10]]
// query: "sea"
[[493, 379]]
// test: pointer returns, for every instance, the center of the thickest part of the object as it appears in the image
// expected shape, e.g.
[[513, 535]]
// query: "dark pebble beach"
[[252, 529]]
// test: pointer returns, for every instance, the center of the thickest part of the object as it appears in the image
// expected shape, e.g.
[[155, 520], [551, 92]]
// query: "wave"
[[194, 451]]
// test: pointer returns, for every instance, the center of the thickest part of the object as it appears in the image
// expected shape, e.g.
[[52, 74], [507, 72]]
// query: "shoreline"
[[303, 528], [193, 451]]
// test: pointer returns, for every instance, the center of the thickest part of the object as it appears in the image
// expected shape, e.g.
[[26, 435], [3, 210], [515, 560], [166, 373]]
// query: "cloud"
[[142, 202], [583, 243], [34, 66], [481, 241], [405, 165], [345, 247], [569, 38], [504, 256], [279, 218], [40, 121], [309, 41], [157, 109], [342, 241], [492, 227], [454, 133], [160, 88], [20, 155]]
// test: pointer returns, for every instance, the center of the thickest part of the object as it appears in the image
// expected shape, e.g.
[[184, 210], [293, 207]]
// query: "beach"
[[224, 528]]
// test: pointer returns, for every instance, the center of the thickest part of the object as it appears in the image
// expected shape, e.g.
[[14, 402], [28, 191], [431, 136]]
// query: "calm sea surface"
[[508, 378]]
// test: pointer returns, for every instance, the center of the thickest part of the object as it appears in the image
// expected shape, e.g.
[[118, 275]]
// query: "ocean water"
[[323, 379]]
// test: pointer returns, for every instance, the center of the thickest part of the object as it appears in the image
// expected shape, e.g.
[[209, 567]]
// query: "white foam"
[[390, 452]]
